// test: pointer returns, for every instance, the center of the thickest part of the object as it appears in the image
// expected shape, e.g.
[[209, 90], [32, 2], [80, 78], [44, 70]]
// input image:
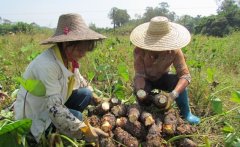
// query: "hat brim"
[[176, 38], [84, 34]]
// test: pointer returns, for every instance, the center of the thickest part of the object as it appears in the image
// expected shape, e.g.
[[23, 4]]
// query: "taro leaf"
[[35, 87], [231, 139], [210, 75], [11, 132], [236, 97], [228, 128], [216, 104], [11, 139], [90, 76], [119, 91], [20, 126], [123, 72]]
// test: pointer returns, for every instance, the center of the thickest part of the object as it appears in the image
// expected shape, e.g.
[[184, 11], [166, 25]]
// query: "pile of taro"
[[133, 125]]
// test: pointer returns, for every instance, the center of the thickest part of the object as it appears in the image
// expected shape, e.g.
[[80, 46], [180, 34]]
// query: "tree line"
[[226, 21], [8, 27]]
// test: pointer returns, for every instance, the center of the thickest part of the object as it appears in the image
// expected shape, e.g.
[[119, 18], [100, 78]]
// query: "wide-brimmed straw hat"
[[159, 35], [71, 27]]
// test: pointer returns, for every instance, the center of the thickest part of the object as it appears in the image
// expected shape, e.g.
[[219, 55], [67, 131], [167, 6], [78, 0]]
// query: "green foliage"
[[213, 64], [118, 17], [6, 114], [21, 126], [217, 105], [123, 72], [188, 21], [232, 138], [13, 133], [214, 26], [236, 97], [222, 24], [162, 10], [20, 27], [35, 87]]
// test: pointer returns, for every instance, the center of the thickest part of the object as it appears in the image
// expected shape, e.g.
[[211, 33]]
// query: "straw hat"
[[159, 35], [71, 27]]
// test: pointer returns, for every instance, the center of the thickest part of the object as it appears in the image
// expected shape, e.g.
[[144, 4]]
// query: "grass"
[[213, 63]]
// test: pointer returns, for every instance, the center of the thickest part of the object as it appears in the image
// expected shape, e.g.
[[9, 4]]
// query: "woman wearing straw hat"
[[67, 92], [158, 46]]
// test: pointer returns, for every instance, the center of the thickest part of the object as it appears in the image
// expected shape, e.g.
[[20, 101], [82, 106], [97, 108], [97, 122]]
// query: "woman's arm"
[[182, 72]]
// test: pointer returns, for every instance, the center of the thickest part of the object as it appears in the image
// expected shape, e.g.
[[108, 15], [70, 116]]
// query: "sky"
[[46, 12]]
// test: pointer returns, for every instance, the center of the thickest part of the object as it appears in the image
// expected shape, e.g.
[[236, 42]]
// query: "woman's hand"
[[171, 98], [91, 133]]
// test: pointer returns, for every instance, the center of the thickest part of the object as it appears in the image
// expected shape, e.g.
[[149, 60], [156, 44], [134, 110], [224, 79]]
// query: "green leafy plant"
[[6, 114], [236, 97], [13, 133], [216, 105], [35, 87], [232, 133], [119, 85]]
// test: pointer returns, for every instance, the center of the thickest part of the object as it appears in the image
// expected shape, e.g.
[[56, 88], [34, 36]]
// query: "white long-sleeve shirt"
[[50, 108]]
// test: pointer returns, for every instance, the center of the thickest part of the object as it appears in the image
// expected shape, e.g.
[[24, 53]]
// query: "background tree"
[[187, 21], [226, 20], [213, 26], [162, 10], [230, 10], [118, 17]]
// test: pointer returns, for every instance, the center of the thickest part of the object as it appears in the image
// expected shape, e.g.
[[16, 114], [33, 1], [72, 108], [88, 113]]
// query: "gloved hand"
[[91, 133], [171, 98]]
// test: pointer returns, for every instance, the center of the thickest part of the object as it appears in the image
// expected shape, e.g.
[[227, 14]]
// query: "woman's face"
[[75, 51]]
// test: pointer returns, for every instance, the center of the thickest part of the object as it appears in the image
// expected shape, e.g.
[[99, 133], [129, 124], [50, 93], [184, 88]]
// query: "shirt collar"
[[58, 57]]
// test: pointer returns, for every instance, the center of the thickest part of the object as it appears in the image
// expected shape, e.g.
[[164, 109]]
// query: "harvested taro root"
[[185, 129], [94, 121], [119, 110], [143, 98], [114, 101], [154, 137], [100, 109], [96, 100], [136, 129], [170, 122], [186, 142], [160, 100], [125, 138], [133, 112], [133, 125], [107, 141], [147, 118], [108, 122]]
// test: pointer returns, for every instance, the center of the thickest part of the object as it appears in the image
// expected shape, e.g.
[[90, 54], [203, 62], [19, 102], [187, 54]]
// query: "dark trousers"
[[167, 83], [78, 101]]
